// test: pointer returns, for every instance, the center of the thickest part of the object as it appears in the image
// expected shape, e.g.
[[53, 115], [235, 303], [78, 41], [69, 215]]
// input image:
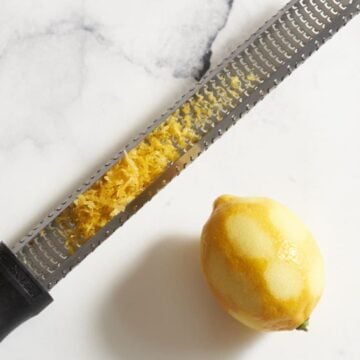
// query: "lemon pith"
[[261, 263]]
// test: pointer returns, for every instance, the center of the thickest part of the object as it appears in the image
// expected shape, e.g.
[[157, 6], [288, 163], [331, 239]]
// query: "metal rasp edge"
[[346, 10]]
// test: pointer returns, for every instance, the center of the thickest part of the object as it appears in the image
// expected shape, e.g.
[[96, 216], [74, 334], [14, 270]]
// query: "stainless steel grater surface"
[[254, 68]]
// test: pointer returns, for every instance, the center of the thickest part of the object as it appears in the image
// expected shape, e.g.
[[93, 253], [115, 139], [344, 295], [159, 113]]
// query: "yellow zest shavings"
[[138, 168]]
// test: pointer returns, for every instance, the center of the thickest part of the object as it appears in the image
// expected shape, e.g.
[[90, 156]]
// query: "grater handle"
[[21, 296]]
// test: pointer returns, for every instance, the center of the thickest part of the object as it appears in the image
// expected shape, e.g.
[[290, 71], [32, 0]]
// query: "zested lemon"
[[261, 263]]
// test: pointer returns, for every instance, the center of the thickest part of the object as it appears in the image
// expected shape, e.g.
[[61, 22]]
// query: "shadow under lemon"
[[164, 310]]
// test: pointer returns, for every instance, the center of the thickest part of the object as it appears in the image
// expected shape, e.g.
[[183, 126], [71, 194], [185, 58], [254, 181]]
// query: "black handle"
[[21, 295]]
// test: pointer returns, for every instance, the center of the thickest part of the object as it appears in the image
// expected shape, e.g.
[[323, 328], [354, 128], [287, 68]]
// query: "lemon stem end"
[[303, 326]]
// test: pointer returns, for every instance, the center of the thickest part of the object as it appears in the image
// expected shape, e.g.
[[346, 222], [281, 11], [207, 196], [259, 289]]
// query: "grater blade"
[[232, 89]]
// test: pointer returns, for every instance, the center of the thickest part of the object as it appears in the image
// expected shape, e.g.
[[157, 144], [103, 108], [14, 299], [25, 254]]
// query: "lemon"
[[262, 264]]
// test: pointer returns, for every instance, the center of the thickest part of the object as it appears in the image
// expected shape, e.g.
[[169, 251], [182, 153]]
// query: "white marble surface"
[[77, 79]]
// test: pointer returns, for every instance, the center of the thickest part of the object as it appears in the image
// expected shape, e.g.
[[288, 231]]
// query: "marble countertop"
[[78, 78]]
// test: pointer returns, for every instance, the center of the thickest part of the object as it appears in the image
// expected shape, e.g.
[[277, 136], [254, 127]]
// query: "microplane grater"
[[40, 259]]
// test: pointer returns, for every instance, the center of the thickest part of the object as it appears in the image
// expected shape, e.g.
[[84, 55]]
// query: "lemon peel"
[[261, 263], [138, 168]]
